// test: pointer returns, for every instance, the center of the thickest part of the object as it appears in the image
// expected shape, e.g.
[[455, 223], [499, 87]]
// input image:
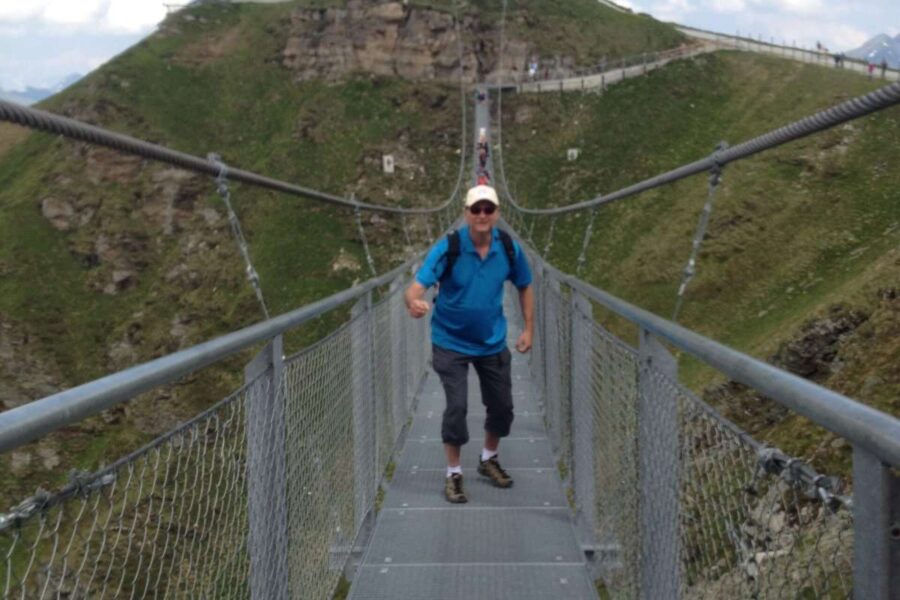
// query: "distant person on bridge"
[[468, 326], [883, 67]]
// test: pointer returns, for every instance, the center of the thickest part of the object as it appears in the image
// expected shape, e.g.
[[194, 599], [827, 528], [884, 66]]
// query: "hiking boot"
[[453, 490], [491, 469]]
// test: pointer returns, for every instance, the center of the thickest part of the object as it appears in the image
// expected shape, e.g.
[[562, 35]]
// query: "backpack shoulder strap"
[[509, 247], [452, 253]]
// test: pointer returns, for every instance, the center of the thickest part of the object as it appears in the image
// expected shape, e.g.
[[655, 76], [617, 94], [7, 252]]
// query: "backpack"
[[453, 251]]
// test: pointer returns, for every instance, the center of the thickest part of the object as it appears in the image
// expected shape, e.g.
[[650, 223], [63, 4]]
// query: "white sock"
[[487, 454], [457, 470]]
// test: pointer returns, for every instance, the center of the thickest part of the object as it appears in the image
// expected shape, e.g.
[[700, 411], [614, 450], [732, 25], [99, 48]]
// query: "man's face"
[[478, 219]]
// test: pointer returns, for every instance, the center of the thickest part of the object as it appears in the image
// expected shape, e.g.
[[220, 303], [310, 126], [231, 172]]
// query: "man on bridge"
[[468, 326]]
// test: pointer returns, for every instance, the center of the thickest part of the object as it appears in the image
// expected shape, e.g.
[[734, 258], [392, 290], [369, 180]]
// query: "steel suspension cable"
[[549, 243], [585, 242], [855, 108], [690, 269], [365, 242], [516, 221], [225, 193], [41, 120]]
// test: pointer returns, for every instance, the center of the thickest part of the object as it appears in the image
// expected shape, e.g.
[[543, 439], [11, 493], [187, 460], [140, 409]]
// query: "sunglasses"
[[487, 209]]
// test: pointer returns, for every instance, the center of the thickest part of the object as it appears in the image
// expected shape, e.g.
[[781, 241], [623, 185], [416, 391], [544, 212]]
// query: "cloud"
[[8, 32], [727, 6], [134, 15], [803, 7], [20, 72], [67, 16], [668, 10], [71, 12]]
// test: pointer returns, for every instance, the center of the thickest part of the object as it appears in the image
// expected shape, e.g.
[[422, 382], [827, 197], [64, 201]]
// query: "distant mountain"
[[31, 94], [881, 47]]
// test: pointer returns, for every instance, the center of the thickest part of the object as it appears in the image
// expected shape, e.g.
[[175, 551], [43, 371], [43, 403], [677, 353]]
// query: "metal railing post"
[[583, 419], [658, 471], [364, 442], [266, 478], [876, 528], [553, 403], [398, 354]]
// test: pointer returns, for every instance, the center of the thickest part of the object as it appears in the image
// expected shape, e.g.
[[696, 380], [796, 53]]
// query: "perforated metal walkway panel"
[[504, 543]]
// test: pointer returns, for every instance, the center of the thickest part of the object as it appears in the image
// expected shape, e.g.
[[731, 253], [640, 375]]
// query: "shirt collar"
[[465, 241]]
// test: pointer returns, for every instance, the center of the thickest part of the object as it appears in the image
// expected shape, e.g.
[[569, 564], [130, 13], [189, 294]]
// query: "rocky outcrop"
[[815, 353], [394, 39], [24, 374]]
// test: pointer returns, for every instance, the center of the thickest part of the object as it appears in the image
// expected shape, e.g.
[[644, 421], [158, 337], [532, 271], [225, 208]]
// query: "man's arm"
[[526, 301], [416, 306]]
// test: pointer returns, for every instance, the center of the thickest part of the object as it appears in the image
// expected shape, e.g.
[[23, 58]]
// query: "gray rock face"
[[59, 212], [393, 39], [815, 354]]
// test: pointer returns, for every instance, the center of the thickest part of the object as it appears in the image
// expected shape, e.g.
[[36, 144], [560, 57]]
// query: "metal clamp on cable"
[[715, 172], [799, 474], [25, 509]]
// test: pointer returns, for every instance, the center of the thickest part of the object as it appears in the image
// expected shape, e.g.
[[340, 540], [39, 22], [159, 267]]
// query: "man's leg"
[[452, 368], [491, 441], [452, 452], [495, 379]]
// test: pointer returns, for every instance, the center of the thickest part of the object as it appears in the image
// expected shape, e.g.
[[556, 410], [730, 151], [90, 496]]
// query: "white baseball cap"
[[482, 192]]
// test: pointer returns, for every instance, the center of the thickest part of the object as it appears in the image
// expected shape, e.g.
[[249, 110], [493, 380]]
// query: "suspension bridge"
[[327, 463]]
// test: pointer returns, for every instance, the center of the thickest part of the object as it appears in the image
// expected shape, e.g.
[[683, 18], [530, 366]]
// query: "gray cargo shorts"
[[494, 375]]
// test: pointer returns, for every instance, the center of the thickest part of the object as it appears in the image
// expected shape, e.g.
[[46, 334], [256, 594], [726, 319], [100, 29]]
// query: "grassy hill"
[[800, 264], [108, 261]]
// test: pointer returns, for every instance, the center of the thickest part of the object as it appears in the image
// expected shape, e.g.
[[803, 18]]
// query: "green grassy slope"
[[582, 29], [245, 106], [214, 82], [793, 232]]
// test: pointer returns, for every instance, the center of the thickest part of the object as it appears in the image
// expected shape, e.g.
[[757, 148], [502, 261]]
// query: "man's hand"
[[415, 305], [524, 343], [418, 308]]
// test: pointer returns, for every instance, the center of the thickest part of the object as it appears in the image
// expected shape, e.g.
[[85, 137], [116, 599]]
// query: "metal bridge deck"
[[504, 543]]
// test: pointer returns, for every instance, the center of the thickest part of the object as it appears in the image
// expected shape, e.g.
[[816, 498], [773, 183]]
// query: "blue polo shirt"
[[468, 313]]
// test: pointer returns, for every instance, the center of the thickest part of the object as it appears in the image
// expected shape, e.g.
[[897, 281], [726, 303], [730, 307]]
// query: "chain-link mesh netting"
[[672, 496], [143, 526], [611, 380], [557, 377], [266, 491]]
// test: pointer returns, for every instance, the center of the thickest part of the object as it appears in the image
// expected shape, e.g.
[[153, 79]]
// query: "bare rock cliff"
[[393, 39]]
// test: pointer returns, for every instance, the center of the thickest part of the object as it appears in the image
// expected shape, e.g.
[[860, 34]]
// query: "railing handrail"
[[818, 53], [862, 425], [30, 421]]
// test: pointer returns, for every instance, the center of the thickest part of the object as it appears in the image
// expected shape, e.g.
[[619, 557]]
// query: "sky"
[[43, 41]]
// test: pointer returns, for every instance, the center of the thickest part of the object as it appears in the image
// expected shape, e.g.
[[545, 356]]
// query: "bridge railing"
[[604, 72], [675, 501], [821, 57], [266, 494]]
